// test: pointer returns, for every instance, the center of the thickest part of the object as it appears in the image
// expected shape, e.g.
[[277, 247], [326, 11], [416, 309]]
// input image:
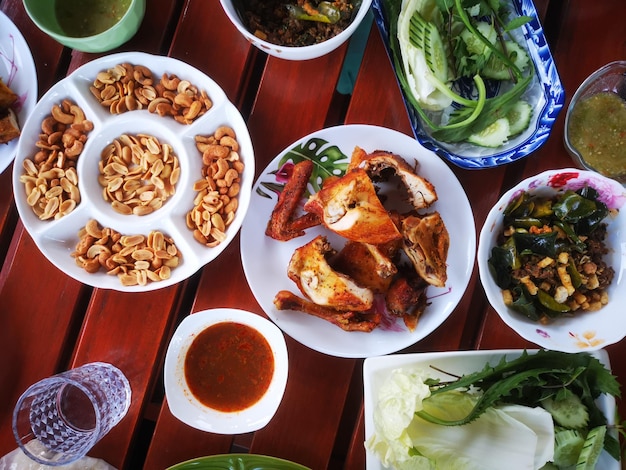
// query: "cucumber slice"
[[425, 36], [592, 449], [476, 46], [567, 410], [519, 117], [568, 444], [496, 69], [493, 135]]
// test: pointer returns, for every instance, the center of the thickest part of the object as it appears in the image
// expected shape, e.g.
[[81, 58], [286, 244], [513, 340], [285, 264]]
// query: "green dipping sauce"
[[597, 129], [84, 18]]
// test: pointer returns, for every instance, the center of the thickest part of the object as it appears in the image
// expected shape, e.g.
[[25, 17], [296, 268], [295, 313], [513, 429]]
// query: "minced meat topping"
[[280, 23]]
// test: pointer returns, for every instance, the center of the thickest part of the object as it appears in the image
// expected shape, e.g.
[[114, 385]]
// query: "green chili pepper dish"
[[551, 259]]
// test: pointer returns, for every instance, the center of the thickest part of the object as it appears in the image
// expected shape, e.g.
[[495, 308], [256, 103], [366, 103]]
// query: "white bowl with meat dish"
[[359, 242], [551, 259], [314, 29], [225, 371]]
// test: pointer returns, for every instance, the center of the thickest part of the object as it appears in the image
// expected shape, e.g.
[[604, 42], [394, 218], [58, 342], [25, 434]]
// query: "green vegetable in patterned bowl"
[[477, 76]]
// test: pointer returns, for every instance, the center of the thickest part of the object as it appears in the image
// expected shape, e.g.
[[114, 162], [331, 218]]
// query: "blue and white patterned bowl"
[[545, 94]]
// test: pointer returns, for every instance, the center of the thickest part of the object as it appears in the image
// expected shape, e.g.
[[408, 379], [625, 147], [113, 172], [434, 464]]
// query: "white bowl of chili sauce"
[[225, 371]]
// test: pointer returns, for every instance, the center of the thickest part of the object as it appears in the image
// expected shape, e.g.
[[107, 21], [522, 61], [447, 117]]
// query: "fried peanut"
[[138, 174], [127, 87], [50, 179], [134, 259], [217, 192]]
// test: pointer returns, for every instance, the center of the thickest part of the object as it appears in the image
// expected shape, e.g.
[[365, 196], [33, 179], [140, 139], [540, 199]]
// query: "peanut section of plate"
[[133, 172]]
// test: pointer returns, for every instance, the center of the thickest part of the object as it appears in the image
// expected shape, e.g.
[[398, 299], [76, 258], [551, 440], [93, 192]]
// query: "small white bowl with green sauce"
[[87, 26], [595, 124]]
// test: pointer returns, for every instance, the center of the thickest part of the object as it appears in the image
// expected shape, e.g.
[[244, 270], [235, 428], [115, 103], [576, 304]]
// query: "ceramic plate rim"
[[189, 410], [24, 82], [335, 342], [254, 459]]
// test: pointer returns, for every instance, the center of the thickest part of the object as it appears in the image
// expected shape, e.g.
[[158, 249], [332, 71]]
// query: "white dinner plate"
[[58, 238], [265, 260], [376, 371], [17, 70]]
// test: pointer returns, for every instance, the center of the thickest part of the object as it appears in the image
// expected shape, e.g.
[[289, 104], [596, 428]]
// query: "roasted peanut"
[[138, 174], [127, 87], [216, 201], [134, 259], [50, 179]]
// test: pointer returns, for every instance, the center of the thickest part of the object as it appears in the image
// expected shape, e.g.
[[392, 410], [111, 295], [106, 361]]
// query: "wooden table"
[[50, 322]]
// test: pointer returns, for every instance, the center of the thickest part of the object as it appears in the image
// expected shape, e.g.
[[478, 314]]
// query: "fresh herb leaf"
[[531, 378], [517, 22]]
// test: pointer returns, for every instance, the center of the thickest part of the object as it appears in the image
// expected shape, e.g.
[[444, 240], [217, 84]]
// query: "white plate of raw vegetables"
[[544, 94], [377, 373]]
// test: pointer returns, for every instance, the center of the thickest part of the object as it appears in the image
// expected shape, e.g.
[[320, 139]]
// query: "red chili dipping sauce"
[[229, 366]]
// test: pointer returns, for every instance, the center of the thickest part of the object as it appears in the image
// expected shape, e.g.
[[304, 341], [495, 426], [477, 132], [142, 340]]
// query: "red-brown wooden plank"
[[293, 101], [125, 329], [36, 300], [286, 89], [223, 56], [129, 330], [174, 441], [36, 317], [206, 39]]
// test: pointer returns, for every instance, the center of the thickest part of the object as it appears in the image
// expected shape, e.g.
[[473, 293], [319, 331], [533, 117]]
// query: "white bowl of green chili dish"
[[551, 257], [595, 123]]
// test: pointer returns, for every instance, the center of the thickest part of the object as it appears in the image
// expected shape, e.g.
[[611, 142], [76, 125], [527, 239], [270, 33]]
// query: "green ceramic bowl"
[[43, 14]]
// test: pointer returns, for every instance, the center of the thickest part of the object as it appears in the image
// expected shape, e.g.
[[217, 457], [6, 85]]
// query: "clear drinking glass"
[[59, 419]]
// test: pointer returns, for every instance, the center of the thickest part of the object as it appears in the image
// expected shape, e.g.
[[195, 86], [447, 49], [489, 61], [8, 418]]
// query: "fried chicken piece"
[[320, 283], [369, 265], [9, 128], [349, 206], [283, 224], [346, 320], [7, 96], [406, 297], [426, 243], [421, 192]]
